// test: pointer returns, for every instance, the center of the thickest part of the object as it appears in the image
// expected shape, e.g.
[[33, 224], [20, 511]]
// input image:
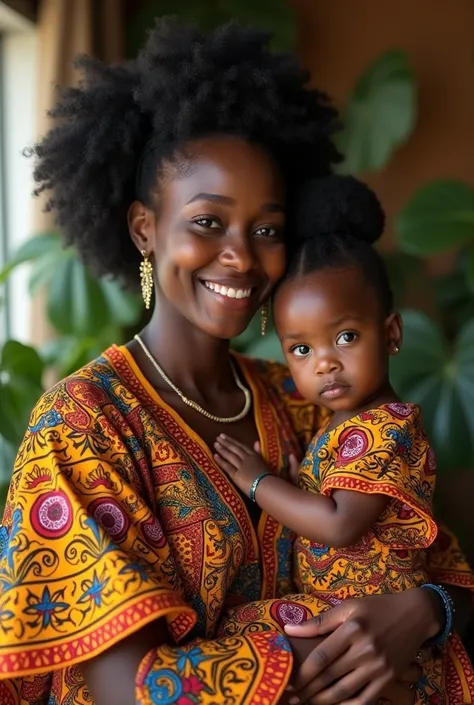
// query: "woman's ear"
[[141, 224]]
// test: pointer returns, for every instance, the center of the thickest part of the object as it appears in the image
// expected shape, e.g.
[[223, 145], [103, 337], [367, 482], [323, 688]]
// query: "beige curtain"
[[67, 28]]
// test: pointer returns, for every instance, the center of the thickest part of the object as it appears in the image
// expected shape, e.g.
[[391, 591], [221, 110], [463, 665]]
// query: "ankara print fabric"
[[382, 451], [118, 516]]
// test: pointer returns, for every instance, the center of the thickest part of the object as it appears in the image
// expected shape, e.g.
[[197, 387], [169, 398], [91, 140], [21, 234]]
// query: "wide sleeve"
[[447, 563], [84, 561], [385, 452], [249, 662]]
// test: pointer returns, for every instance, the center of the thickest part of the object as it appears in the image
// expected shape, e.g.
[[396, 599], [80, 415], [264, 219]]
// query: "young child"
[[362, 509]]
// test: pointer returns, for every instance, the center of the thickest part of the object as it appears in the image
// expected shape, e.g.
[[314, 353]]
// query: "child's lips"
[[333, 390]]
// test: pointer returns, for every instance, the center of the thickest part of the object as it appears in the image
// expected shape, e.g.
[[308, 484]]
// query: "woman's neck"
[[197, 363]]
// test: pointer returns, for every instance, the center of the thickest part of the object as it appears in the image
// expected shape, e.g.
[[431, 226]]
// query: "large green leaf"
[[404, 273], [470, 268], [124, 308], [41, 245], [441, 379], [20, 387], [439, 218], [21, 361], [380, 114], [77, 303], [7, 459], [453, 295], [68, 353], [75, 300]]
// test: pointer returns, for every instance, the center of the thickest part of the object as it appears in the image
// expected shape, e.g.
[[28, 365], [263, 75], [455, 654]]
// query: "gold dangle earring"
[[264, 319], [146, 278]]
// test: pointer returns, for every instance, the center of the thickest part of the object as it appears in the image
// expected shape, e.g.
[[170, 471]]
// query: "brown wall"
[[340, 38]]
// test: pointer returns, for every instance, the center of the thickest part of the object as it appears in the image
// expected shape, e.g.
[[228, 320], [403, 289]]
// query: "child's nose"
[[325, 365]]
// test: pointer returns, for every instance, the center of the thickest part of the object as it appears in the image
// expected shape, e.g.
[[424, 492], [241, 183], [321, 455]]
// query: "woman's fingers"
[[376, 692], [345, 688], [341, 667], [324, 623], [324, 655]]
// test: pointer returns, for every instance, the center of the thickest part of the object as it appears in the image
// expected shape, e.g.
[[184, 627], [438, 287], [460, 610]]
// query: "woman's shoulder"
[[92, 385]]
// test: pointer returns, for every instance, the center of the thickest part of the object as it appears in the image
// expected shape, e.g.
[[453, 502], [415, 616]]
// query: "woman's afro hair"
[[184, 85]]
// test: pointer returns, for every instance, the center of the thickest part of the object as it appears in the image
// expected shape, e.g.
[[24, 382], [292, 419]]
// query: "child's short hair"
[[336, 220]]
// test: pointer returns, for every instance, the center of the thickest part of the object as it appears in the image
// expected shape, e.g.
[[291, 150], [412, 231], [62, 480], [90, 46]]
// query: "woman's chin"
[[226, 330]]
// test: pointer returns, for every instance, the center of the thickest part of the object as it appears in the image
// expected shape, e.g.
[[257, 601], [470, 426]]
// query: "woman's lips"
[[232, 297]]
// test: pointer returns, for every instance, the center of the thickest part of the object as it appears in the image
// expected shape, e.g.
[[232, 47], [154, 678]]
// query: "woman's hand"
[[371, 642]]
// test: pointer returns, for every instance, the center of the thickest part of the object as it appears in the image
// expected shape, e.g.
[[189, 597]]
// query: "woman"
[[130, 562]]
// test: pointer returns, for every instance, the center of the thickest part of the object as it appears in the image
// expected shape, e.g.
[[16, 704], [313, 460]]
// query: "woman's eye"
[[301, 350], [208, 223], [268, 231], [346, 338]]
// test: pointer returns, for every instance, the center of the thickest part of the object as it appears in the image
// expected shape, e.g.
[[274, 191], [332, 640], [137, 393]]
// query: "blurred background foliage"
[[436, 365]]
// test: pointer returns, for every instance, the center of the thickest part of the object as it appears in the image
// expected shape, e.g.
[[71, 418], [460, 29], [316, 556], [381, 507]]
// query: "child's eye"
[[300, 350], [346, 338]]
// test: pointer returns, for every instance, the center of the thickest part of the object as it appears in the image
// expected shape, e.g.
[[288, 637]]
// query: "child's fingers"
[[228, 454], [257, 447], [240, 448], [224, 465], [231, 447]]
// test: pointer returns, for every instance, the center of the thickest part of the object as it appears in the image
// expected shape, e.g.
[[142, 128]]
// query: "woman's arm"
[[111, 676]]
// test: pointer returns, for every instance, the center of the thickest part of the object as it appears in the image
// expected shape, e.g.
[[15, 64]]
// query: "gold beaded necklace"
[[194, 405]]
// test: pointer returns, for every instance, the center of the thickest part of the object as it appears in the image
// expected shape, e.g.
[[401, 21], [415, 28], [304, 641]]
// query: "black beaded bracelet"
[[444, 634]]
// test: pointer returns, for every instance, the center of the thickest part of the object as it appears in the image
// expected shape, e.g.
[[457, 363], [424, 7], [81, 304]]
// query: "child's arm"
[[337, 521]]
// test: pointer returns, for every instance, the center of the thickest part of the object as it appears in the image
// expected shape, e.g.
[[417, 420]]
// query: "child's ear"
[[393, 332]]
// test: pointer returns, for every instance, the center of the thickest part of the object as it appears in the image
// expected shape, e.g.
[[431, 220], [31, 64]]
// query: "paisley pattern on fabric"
[[117, 516], [383, 451]]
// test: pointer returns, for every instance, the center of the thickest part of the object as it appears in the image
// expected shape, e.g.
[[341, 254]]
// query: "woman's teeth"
[[228, 291]]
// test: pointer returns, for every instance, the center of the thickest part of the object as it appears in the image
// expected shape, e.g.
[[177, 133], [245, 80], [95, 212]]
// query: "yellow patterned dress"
[[117, 515], [381, 451]]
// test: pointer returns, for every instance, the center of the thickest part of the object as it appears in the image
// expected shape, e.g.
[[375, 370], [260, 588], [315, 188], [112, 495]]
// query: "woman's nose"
[[239, 254]]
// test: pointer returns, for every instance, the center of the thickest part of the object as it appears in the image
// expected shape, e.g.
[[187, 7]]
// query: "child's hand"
[[239, 461]]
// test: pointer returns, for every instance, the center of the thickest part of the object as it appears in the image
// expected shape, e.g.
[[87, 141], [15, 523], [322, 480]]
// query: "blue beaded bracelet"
[[444, 634], [255, 484]]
